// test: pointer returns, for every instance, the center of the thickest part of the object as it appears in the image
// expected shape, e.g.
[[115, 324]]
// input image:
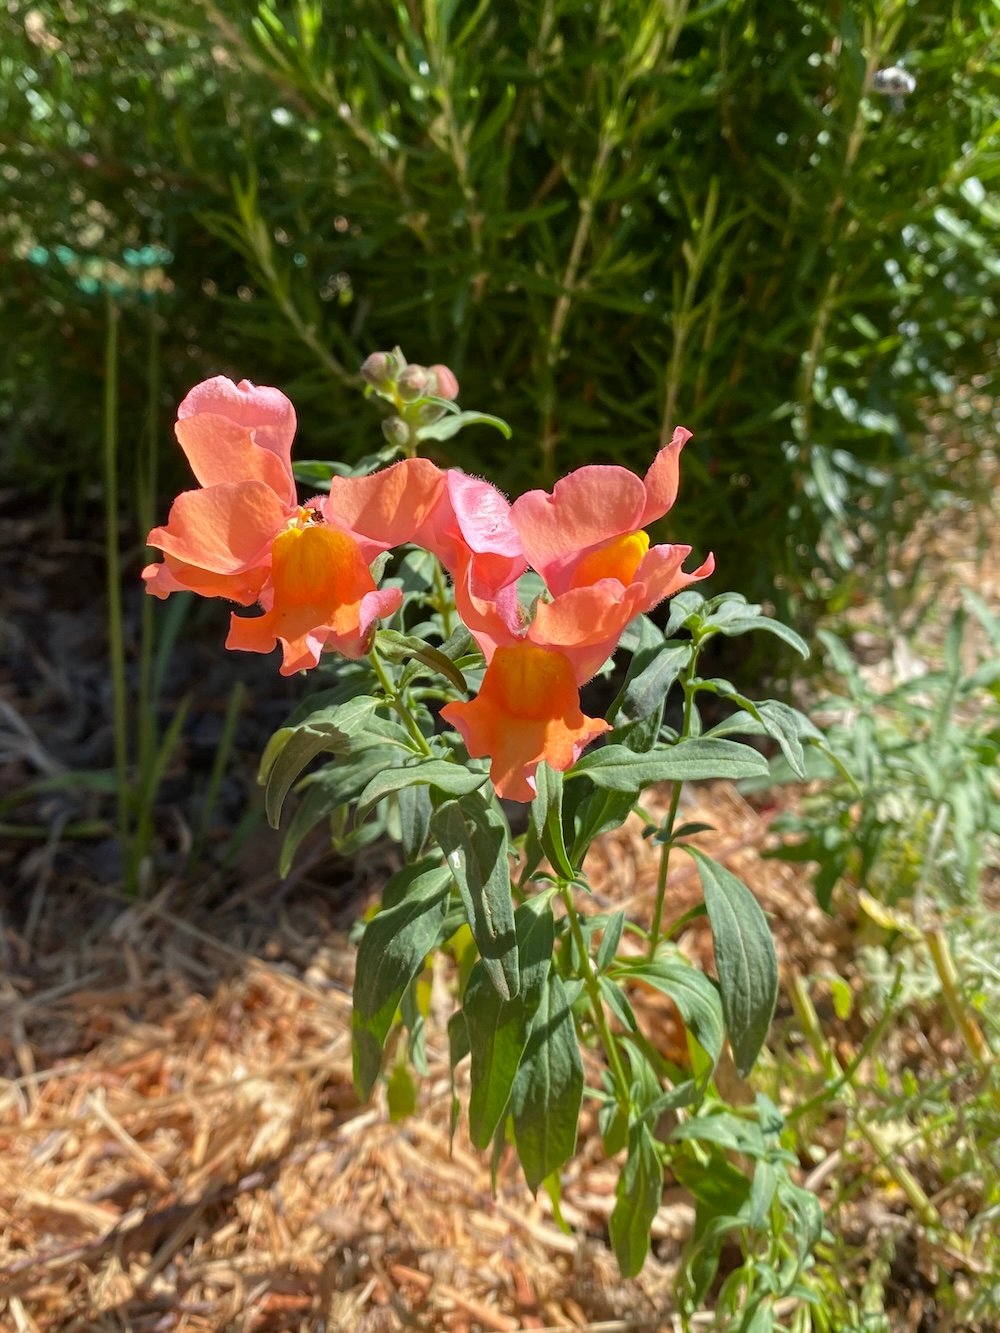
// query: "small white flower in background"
[[895, 83]]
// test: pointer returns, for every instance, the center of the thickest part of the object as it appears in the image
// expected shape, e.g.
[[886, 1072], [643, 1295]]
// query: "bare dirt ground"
[[181, 1147]]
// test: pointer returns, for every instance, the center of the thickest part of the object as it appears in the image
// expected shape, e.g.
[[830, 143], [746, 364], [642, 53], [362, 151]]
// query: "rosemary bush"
[[639, 210]]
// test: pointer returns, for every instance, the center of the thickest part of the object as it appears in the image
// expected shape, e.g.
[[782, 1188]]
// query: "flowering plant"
[[453, 713]]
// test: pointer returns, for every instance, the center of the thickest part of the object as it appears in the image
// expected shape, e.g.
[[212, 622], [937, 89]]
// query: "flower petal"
[[586, 508], [492, 619], [660, 574], [663, 478], [471, 520], [386, 508], [585, 624], [221, 451], [224, 529], [527, 710], [266, 412], [174, 576]]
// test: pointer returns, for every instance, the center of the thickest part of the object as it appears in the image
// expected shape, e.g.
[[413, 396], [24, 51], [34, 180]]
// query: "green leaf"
[[328, 730], [402, 1094], [647, 689], [329, 789], [638, 1196], [451, 425], [694, 994], [548, 1089], [765, 1181], [619, 769], [397, 647], [745, 959], [617, 1001], [778, 720], [726, 1130], [442, 774], [474, 839], [546, 817], [392, 951], [685, 611], [719, 1188], [760, 1320], [745, 624], [415, 810], [807, 1215], [314, 473], [498, 1028], [610, 941], [458, 1049]]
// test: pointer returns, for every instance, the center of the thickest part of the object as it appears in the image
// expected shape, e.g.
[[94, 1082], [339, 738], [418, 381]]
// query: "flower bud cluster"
[[418, 394]]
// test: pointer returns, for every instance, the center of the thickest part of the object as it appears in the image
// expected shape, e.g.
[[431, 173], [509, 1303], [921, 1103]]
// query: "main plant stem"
[[399, 704], [675, 800], [594, 994]]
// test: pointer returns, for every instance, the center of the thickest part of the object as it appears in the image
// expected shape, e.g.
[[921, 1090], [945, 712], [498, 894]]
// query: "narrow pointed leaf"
[[415, 810], [546, 815], [451, 425], [396, 647], [498, 1029], [438, 773], [329, 730], [744, 956], [329, 789], [638, 1196], [694, 994], [474, 839], [548, 1089], [620, 769], [392, 952]]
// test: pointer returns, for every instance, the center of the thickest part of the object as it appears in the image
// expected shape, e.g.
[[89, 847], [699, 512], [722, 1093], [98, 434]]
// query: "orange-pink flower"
[[471, 533], [245, 537], [591, 529], [586, 540], [527, 710]]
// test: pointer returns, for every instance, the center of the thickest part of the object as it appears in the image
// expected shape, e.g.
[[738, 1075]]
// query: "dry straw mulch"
[[181, 1147]]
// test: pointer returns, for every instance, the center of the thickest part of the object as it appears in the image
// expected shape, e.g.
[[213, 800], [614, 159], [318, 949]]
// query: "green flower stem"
[[675, 800], [399, 704], [146, 715], [944, 965], [443, 600], [116, 634], [889, 1158], [594, 994]]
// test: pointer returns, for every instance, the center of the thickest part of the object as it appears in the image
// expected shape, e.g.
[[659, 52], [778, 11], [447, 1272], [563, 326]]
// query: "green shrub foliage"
[[607, 217]]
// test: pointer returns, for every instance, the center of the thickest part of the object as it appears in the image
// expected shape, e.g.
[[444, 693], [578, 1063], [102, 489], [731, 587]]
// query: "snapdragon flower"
[[244, 536], [587, 541]]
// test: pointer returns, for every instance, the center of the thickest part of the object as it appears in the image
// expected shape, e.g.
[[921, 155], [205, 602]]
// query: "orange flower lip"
[[527, 710], [321, 592]]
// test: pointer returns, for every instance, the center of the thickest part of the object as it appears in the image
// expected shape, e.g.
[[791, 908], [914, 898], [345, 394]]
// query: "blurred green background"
[[608, 217]]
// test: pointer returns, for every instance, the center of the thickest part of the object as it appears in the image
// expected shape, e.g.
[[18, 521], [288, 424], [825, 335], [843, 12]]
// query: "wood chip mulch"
[[181, 1146]]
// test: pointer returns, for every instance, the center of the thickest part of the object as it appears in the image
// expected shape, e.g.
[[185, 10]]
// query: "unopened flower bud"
[[447, 384], [376, 370], [396, 431], [413, 383]]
